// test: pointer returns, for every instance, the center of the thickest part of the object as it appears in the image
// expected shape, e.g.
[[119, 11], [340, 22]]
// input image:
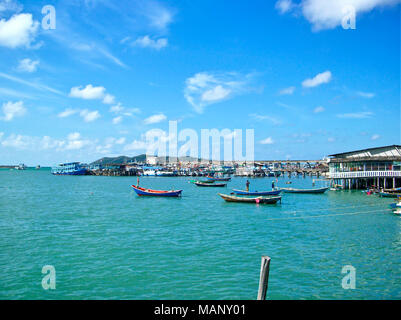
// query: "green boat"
[[390, 195], [264, 200]]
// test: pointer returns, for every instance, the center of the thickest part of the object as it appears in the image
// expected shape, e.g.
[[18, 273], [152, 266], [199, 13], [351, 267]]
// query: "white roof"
[[388, 151]]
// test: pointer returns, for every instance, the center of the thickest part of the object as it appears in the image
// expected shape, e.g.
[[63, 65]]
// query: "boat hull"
[[257, 200], [390, 195], [217, 185], [80, 172], [199, 181], [156, 193], [256, 193], [312, 191]]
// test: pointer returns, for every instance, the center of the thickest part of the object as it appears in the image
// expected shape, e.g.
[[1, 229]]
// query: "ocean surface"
[[106, 243]]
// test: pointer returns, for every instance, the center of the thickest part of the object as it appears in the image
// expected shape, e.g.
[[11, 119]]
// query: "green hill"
[[120, 160]]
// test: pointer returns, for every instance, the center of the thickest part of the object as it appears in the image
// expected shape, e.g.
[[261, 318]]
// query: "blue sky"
[[109, 72]]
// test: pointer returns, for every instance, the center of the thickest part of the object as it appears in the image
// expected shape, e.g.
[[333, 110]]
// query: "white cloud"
[[356, 115], [117, 108], [92, 93], [159, 16], [10, 6], [136, 145], [375, 137], [324, 77], [67, 112], [367, 95], [73, 141], [284, 5], [122, 112], [120, 141], [319, 109], [117, 120], [329, 14], [17, 141], [108, 99], [260, 117], [155, 119], [12, 110], [19, 31], [31, 84], [89, 92], [28, 65], [110, 143], [331, 139], [268, 140], [207, 88], [21, 142], [215, 94], [287, 91], [89, 116], [147, 42]]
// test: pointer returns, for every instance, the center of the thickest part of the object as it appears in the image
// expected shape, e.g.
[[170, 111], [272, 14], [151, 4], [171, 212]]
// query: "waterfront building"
[[379, 167]]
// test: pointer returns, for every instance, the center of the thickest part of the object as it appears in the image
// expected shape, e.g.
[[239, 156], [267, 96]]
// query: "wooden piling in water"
[[264, 277]]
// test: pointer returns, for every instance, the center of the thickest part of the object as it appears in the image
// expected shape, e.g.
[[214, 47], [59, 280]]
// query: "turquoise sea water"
[[106, 243]]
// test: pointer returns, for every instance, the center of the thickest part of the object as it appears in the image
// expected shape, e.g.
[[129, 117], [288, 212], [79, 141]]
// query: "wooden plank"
[[264, 277]]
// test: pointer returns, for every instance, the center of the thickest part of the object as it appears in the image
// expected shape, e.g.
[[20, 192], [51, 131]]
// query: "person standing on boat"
[[247, 185], [273, 185], [137, 182], [313, 182]]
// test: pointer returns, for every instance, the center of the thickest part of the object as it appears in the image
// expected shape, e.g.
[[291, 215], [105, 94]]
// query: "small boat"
[[21, 166], [264, 200], [70, 169], [318, 190], [389, 195], [397, 211], [216, 185], [257, 193], [395, 205], [156, 193], [218, 179], [201, 181]]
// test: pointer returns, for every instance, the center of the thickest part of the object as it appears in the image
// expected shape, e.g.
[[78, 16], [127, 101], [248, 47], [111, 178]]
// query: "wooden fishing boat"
[[156, 193], [264, 200], [201, 181], [257, 193], [218, 179], [390, 195], [216, 185], [315, 191]]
